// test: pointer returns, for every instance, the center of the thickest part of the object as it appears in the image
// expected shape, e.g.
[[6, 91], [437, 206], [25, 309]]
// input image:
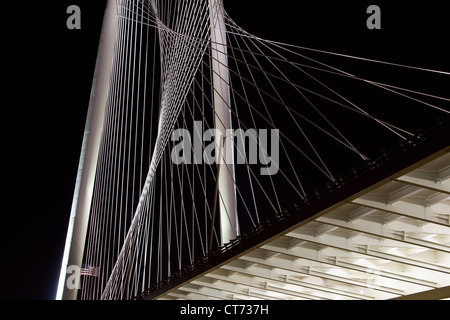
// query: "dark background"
[[47, 75]]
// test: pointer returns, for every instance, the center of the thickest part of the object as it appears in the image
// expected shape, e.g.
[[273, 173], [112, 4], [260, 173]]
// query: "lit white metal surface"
[[229, 226], [81, 204], [390, 242]]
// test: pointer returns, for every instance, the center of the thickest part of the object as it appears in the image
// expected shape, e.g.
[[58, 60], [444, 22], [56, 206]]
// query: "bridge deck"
[[383, 235]]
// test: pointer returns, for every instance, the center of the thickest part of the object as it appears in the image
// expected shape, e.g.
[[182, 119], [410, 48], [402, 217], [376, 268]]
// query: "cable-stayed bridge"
[[217, 164]]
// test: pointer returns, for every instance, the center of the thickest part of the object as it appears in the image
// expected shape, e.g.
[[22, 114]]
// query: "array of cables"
[[300, 117]]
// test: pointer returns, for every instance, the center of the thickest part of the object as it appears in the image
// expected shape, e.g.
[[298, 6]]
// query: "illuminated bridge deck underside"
[[386, 236]]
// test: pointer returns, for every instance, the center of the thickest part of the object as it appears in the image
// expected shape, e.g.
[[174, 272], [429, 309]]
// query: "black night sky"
[[47, 75]]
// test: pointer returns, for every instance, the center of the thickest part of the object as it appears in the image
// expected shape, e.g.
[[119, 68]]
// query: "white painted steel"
[[229, 225], [81, 204]]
